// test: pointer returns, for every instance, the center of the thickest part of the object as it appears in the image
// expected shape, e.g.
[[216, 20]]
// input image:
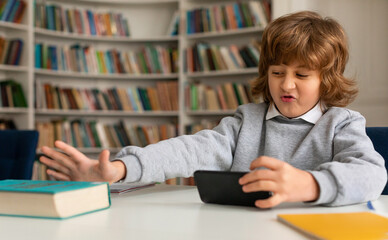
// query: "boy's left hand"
[[287, 183]]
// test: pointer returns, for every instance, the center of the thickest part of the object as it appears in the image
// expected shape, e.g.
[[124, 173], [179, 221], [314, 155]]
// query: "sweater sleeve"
[[357, 172], [181, 156]]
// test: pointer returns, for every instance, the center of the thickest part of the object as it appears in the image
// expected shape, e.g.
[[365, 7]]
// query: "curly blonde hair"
[[316, 42]]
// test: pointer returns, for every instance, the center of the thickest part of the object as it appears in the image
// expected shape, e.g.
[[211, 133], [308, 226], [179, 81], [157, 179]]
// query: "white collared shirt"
[[311, 116]]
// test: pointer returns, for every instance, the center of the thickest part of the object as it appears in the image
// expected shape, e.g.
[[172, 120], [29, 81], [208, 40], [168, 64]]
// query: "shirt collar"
[[311, 116]]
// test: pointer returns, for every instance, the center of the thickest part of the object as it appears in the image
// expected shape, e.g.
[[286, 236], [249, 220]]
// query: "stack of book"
[[162, 97], [231, 16], [209, 57], [82, 133], [80, 21], [86, 59], [12, 10]]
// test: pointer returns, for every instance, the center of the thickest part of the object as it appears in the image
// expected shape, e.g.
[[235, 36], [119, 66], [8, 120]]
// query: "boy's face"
[[294, 88]]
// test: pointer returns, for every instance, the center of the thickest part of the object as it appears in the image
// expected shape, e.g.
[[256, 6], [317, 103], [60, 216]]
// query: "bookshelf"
[[221, 38], [148, 13], [21, 72], [148, 24], [148, 33]]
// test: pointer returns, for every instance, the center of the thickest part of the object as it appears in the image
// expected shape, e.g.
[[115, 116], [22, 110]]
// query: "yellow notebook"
[[355, 225]]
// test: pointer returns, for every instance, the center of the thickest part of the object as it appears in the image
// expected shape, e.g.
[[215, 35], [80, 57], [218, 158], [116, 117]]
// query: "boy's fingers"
[[103, 158], [58, 157], [57, 175], [55, 165], [273, 201], [72, 152], [262, 174], [262, 185], [267, 162]]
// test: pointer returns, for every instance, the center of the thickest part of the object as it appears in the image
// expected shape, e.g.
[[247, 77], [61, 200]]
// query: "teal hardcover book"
[[52, 199]]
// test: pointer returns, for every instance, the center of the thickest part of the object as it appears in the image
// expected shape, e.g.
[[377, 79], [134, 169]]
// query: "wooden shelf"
[[90, 38], [246, 71], [125, 2], [14, 26], [13, 68], [118, 76], [90, 150], [13, 110], [210, 112], [226, 33], [104, 113]]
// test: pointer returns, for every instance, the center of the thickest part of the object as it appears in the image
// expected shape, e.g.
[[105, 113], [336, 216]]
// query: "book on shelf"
[[52, 199], [10, 51], [85, 59], [219, 97], [189, 181], [84, 133], [39, 170], [162, 97], [12, 10], [203, 57], [80, 21], [351, 225], [11, 94], [174, 26], [228, 16]]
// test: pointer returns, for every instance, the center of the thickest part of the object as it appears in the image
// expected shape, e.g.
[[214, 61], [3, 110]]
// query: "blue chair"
[[379, 137], [17, 153]]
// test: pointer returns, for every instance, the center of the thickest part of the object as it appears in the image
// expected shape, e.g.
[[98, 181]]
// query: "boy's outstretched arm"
[[72, 165], [287, 183]]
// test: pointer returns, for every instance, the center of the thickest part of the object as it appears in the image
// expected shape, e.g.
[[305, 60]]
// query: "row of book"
[[79, 21], [223, 17], [199, 96], [12, 10], [10, 51], [7, 124], [181, 181], [210, 57], [83, 133], [11, 94], [86, 59], [162, 97]]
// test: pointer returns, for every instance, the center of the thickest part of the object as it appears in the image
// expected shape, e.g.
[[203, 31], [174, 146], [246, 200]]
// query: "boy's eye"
[[276, 73], [301, 75]]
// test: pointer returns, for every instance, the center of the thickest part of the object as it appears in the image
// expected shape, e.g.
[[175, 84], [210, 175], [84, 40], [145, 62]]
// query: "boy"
[[299, 144]]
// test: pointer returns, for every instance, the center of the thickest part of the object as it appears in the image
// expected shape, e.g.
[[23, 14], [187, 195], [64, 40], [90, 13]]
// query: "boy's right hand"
[[72, 165]]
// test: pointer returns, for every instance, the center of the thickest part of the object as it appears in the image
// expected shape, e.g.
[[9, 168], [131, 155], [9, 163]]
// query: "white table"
[[167, 212]]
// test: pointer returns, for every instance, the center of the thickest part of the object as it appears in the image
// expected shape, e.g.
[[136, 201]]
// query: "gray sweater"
[[336, 150]]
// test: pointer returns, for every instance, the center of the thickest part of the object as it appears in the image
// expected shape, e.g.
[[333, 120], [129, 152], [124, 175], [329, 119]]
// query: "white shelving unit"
[[148, 22], [23, 117], [225, 38]]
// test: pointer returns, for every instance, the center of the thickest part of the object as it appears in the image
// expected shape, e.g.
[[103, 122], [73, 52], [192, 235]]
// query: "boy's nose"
[[288, 82]]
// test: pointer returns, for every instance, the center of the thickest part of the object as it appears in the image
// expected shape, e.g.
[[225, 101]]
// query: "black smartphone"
[[222, 187]]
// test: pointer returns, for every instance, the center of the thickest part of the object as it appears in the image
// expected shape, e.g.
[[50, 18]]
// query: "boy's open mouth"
[[287, 98]]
